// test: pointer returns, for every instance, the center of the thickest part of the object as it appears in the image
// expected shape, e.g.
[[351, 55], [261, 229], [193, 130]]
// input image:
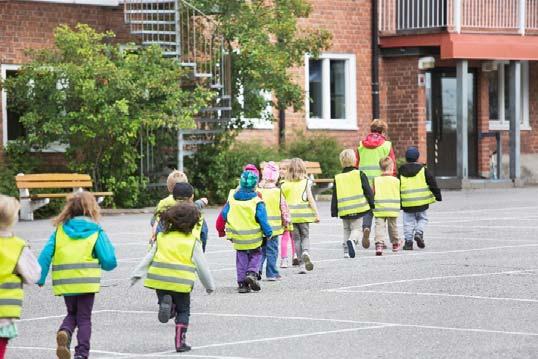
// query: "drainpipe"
[[375, 60], [281, 126]]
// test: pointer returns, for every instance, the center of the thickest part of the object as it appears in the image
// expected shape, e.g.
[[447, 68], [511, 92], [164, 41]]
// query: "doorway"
[[441, 92]]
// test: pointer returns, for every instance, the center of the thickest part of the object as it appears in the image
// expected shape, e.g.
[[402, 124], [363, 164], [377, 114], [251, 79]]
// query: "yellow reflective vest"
[[349, 194], [387, 197], [168, 202], [296, 196], [370, 157], [241, 226], [172, 267], [11, 293], [414, 191], [74, 269], [271, 198]]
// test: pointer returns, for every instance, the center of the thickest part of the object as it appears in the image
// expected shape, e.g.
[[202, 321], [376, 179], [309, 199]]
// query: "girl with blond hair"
[[78, 249]]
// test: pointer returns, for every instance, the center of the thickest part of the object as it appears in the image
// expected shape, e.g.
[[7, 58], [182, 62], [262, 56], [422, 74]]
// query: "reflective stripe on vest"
[[415, 191], [169, 202], [296, 196], [369, 159], [241, 225], [173, 268], [74, 269], [11, 293], [271, 198], [349, 194], [387, 196]]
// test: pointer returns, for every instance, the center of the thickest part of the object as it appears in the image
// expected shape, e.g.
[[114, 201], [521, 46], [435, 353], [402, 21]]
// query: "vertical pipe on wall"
[[375, 60]]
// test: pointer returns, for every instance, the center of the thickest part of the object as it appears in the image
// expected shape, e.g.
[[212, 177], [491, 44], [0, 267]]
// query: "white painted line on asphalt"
[[483, 227], [494, 209], [524, 300], [471, 275]]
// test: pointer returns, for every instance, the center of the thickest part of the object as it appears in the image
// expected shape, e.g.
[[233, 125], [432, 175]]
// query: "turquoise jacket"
[[79, 228]]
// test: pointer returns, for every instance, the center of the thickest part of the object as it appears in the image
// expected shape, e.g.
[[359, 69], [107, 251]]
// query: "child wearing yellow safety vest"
[[171, 267], [387, 206], [78, 249], [246, 221], [297, 189], [286, 236], [174, 178], [277, 214], [418, 189], [352, 200], [17, 266]]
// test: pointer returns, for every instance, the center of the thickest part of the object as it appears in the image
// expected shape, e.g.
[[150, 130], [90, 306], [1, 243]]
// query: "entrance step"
[[454, 183]]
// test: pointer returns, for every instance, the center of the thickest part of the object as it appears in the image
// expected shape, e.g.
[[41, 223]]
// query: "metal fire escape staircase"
[[192, 37]]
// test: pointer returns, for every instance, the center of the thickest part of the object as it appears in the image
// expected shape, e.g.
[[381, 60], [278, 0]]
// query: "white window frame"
[[81, 2], [259, 123], [326, 123], [53, 147], [501, 124]]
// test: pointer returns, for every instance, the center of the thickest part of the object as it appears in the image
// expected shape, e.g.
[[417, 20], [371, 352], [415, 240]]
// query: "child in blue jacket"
[[78, 250]]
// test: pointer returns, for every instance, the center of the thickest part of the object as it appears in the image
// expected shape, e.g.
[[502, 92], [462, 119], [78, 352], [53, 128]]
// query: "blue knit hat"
[[412, 154], [249, 180]]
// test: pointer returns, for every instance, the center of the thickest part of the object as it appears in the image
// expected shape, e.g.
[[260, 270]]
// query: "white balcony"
[[399, 17]]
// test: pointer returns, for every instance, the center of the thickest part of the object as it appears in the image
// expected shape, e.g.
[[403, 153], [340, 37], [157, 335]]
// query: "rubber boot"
[[181, 337], [63, 342], [165, 309]]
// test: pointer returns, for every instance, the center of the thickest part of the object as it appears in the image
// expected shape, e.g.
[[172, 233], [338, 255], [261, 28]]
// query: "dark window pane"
[[315, 85], [15, 129], [507, 93], [338, 89], [494, 96]]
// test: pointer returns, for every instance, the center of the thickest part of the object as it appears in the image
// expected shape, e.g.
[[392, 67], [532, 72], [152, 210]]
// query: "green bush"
[[317, 148]]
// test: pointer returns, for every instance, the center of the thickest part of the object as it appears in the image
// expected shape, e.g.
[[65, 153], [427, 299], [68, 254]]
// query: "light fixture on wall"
[[426, 63]]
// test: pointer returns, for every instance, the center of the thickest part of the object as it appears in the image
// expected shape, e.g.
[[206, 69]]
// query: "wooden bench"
[[313, 169], [32, 202]]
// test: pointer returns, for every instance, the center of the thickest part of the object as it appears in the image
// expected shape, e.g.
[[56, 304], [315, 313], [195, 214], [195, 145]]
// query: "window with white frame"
[[331, 92], [12, 128], [499, 97], [264, 120]]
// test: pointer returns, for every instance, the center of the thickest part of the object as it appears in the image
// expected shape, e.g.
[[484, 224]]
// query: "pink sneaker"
[[397, 246], [379, 249]]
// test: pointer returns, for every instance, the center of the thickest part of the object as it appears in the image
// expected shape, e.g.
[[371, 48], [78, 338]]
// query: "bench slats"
[[56, 184], [48, 177], [65, 195]]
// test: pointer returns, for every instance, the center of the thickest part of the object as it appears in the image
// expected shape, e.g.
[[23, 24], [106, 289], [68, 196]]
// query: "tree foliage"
[[97, 98], [266, 42]]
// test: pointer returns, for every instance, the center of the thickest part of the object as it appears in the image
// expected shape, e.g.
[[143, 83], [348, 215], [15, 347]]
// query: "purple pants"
[[79, 315], [247, 261]]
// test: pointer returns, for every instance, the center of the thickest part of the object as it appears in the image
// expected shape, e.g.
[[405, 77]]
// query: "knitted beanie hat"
[[252, 168], [270, 172], [412, 154], [249, 180]]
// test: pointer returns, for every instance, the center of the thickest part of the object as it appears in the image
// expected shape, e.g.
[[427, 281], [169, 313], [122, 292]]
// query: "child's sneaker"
[[379, 249], [243, 288], [366, 238], [252, 281], [397, 246], [63, 341], [165, 309], [420, 240], [307, 261], [302, 269], [350, 248], [284, 263], [295, 260], [408, 246], [346, 255]]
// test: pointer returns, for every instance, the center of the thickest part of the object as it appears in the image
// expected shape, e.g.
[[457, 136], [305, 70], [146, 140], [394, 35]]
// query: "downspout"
[[375, 60], [281, 126]]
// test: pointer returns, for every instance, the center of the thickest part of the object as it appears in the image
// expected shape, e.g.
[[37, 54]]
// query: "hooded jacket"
[[410, 170], [374, 140], [261, 213], [79, 229]]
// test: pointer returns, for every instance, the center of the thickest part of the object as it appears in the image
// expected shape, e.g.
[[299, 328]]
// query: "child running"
[[277, 214], [18, 266], [171, 266], [246, 226], [352, 199], [387, 206], [174, 178], [418, 189], [297, 190], [286, 236], [78, 250]]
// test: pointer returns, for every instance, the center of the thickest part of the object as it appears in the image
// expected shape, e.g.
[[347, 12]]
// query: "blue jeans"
[[367, 220], [414, 223], [203, 235], [270, 252]]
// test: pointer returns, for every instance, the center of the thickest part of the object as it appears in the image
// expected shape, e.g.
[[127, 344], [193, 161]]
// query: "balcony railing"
[[470, 16]]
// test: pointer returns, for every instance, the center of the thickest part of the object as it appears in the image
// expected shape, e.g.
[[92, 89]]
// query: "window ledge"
[[259, 124], [82, 2], [506, 127], [339, 125]]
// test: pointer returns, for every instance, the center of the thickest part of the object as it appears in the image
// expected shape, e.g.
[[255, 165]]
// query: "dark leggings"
[[182, 302], [79, 315]]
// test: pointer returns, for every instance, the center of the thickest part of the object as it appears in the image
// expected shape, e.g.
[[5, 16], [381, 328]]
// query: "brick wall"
[[349, 23], [30, 25], [403, 104]]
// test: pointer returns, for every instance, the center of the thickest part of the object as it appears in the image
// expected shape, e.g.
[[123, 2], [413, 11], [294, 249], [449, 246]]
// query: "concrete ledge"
[[120, 211], [452, 183]]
